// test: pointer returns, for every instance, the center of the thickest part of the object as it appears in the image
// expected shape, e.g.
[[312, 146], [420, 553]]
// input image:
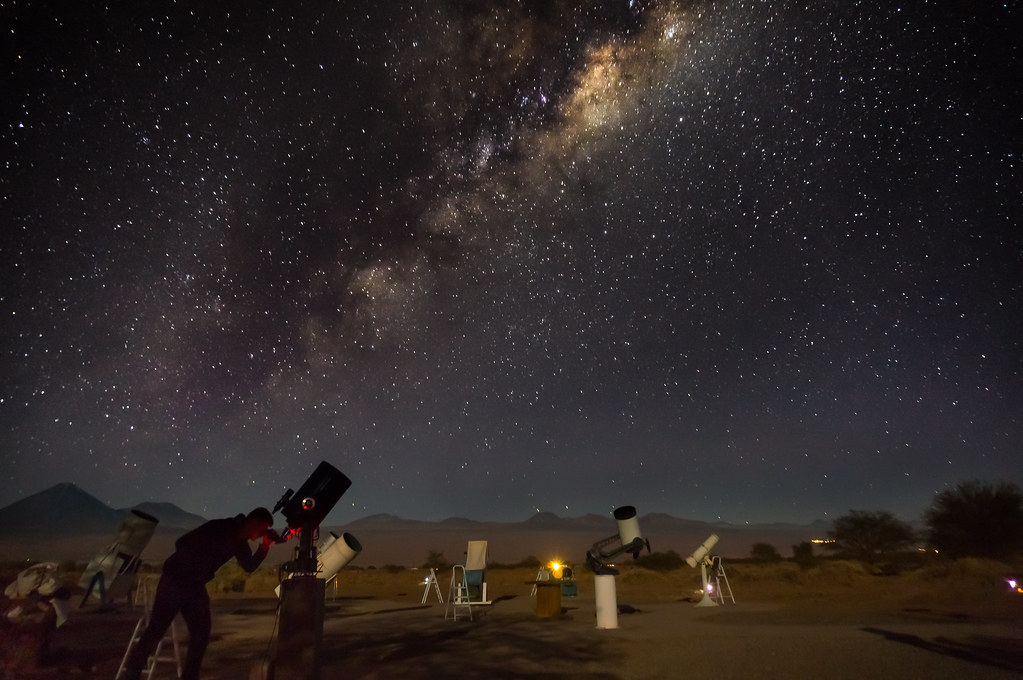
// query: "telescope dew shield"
[[339, 552], [316, 497], [628, 524]]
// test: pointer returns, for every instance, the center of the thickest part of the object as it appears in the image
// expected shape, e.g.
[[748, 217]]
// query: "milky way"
[[742, 260]]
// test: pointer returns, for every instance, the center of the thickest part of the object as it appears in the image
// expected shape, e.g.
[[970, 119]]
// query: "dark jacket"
[[199, 553]]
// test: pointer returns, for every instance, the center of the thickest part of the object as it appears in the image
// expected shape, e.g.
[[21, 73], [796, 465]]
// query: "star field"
[[739, 260]]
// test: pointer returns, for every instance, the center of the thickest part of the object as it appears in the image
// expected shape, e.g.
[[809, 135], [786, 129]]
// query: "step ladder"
[[431, 582], [543, 575], [163, 653], [458, 595], [719, 575]]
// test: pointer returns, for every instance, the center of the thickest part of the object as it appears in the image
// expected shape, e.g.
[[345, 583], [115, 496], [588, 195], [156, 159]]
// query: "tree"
[[869, 536], [765, 552], [977, 520], [802, 554], [434, 560]]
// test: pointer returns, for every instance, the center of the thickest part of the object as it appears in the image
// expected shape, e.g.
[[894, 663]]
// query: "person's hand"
[[271, 537]]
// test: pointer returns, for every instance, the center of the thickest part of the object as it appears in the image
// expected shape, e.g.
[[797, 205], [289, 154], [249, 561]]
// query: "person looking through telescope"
[[182, 588]]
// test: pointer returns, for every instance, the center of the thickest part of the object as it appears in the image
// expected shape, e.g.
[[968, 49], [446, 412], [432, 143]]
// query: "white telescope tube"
[[702, 551], [339, 552], [628, 524]]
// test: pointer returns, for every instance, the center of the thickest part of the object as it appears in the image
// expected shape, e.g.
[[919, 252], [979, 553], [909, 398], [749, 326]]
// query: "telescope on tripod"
[[300, 641]]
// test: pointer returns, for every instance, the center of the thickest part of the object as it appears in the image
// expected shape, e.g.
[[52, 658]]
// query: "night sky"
[[740, 260]]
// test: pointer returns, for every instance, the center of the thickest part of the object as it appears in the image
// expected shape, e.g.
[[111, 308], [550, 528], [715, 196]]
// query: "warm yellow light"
[[555, 568]]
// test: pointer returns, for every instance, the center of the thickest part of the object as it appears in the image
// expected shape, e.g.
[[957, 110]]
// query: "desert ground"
[[833, 620]]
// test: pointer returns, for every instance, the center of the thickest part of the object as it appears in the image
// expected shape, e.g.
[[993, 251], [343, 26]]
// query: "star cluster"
[[739, 260]]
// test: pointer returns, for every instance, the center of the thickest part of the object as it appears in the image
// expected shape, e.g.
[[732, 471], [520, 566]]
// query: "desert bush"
[[968, 568], [869, 536], [764, 552], [263, 580], [435, 560], [230, 578], [977, 520], [802, 555], [661, 561], [631, 574], [759, 571], [843, 572]]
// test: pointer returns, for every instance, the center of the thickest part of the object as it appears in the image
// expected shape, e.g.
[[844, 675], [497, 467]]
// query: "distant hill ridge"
[[65, 522], [67, 510]]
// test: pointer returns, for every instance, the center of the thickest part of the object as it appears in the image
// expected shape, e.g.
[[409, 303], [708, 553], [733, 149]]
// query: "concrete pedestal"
[[300, 631], [607, 600]]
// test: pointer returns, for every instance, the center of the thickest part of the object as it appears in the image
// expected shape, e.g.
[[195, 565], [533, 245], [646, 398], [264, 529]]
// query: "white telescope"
[[113, 570], [628, 524], [699, 556], [334, 553], [700, 553]]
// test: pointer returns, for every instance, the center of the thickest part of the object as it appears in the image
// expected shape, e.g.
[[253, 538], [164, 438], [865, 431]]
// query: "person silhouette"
[[182, 588]]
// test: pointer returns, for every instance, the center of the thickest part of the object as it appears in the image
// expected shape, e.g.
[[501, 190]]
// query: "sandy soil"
[[832, 621]]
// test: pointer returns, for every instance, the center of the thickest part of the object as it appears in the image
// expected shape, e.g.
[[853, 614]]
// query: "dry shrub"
[[230, 578], [262, 581], [762, 571], [842, 572], [966, 569], [640, 576]]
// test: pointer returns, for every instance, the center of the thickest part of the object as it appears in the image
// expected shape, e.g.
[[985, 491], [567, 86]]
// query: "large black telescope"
[[300, 641]]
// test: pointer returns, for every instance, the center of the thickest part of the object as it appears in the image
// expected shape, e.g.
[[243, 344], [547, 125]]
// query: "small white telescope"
[[630, 540], [702, 557], [335, 552], [700, 554]]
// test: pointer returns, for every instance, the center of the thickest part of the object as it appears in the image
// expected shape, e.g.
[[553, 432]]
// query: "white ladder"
[[543, 575], [159, 655], [144, 595], [458, 594], [431, 580], [719, 575]]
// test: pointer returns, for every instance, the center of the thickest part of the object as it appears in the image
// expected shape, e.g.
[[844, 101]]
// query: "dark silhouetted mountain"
[[66, 510], [545, 520], [61, 510], [458, 522], [169, 515], [658, 521], [592, 521]]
